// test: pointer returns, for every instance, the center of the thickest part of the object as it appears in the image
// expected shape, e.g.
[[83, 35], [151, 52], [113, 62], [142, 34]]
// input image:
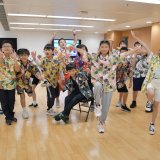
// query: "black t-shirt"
[[75, 85]]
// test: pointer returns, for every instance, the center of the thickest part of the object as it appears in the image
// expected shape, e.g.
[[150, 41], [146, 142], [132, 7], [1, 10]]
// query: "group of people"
[[91, 77]]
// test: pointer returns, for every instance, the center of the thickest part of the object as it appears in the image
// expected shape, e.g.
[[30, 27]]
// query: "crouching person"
[[77, 85]]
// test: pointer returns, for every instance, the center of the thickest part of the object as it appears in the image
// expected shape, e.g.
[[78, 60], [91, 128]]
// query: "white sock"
[[34, 102], [24, 108]]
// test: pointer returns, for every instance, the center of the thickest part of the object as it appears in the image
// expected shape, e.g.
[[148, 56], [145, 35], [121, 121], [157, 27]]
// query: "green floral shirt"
[[7, 74]]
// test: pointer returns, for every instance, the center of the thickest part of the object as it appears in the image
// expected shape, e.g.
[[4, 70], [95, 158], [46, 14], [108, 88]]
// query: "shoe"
[[125, 108], [133, 105], [64, 118], [118, 104], [98, 111], [149, 107], [51, 112], [14, 119], [33, 105], [151, 129], [57, 117], [8, 121], [1, 112], [100, 128], [25, 114]]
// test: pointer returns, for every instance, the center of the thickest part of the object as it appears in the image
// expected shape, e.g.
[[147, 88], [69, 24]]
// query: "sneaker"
[[151, 129], [133, 105], [51, 112], [14, 119], [98, 111], [60, 116], [100, 128], [118, 104], [149, 107], [8, 121], [25, 114], [33, 105], [1, 112], [125, 108]]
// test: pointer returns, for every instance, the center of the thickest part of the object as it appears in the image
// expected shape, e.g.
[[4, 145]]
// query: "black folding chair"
[[89, 107]]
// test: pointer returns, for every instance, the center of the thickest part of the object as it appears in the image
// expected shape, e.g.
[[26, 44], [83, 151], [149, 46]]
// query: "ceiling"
[[126, 13]]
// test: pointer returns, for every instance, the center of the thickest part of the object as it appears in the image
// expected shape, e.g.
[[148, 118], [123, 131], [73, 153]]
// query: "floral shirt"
[[29, 70], [123, 72], [141, 67], [82, 81], [104, 70], [51, 70], [7, 74], [153, 65]]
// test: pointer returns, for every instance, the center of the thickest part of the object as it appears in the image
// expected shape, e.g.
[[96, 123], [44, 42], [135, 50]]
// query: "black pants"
[[71, 100], [7, 99], [51, 95]]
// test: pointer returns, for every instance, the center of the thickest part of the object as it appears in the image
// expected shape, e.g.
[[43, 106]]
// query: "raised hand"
[[39, 57], [1, 56], [33, 54], [14, 55]]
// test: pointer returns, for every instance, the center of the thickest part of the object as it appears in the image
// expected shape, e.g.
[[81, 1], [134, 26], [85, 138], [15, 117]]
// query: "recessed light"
[[109, 30], [146, 1], [149, 22], [127, 26], [96, 32]]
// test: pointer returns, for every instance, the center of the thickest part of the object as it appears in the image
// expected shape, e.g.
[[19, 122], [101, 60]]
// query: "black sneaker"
[[125, 108], [33, 105], [133, 105], [61, 116], [8, 121], [14, 119], [149, 107]]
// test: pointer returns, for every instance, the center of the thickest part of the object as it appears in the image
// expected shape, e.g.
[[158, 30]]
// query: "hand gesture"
[[33, 54], [14, 55], [39, 57], [1, 55]]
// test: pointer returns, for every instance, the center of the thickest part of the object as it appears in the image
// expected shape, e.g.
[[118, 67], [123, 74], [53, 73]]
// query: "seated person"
[[77, 84]]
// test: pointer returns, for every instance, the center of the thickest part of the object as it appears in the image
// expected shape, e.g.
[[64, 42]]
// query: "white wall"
[[35, 40]]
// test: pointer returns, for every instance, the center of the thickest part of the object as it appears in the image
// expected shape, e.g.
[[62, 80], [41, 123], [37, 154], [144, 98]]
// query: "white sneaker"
[[51, 112], [151, 129], [149, 106], [45, 84], [98, 111], [119, 104], [25, 114], [100, 128]]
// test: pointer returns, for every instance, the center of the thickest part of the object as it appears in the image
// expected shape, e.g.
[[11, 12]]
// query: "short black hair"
[[136, 43], [122, 42], [48, 47], [70, 66], [7, 41], [82, 46], [124, 49], [60, 40], [23, 51], [104, 42]]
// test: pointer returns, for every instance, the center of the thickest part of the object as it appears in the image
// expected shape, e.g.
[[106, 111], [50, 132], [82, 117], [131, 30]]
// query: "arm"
[[1, 58], [17, 67], [53, 37], [141, 42]]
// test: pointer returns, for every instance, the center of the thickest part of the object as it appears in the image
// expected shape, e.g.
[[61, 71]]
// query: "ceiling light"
[[47, 29], [109, 30], [19, 23], [146, 1], [127, 26], [60, 17], [66, 25], [149, 22], [96, 32], [26, 15]]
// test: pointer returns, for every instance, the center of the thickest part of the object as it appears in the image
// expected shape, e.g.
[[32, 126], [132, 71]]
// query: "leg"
[[22, 100], [155, 111], [135, 94], [125, 96], [50, 97]]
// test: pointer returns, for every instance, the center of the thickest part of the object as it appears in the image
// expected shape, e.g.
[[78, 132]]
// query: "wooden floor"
[[41, 138]]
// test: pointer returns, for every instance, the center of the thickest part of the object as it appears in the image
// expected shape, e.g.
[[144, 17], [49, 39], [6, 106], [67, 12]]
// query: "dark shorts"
[[123, 89], [137, 83], [35, 80], [23, 90]]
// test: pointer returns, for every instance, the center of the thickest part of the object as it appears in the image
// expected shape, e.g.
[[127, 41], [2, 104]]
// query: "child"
[[122, 73], [28, 69], [152, 86], [79, 89], [52, 70], [103, 72], [8, 69]]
